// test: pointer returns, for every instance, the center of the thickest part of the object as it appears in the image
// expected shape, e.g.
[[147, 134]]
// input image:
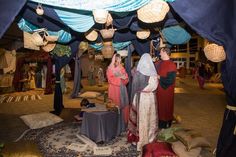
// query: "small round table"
[[100, 126]]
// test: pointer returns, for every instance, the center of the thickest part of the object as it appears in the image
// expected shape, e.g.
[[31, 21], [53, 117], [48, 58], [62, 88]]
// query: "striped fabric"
[[18, 98]]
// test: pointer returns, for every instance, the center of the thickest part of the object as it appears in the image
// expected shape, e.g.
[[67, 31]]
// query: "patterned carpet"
[[54, 141], [21, 96]]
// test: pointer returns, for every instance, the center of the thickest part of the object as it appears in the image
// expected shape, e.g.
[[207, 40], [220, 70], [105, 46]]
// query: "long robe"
[[115, 83], [143, 117], [165, 91], [114, 87]]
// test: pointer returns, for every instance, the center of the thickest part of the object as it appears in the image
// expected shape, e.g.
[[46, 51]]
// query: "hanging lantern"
[[214, 52], [143, 34], [91, 35], [107, 50], [154, 11], [100, 15], [123, 53], [39, 10]]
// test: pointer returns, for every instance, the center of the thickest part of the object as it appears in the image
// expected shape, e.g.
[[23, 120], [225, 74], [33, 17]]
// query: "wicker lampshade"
[[100, 15], [154, 11], [49, 47], [214, 52], [123, 53], [91, 35], [107, 33], [107, 50], [143, 34]]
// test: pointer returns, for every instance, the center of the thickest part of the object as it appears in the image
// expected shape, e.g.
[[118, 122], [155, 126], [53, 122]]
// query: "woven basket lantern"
[[109, 20], [107, 33], [91, 35], [100, 15], [28, 42], [107, 50], [38, 39], [123, 53], [49, 47], [143, 34], [154, 11], [214, 52]]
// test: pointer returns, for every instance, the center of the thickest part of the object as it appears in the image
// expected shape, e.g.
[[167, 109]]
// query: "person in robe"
[[91, 76], [200, 75], [31, 78], [166, 74], [142, 125], [100, 76], [117, 79]]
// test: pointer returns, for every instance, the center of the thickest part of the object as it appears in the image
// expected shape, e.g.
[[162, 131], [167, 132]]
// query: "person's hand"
[[123, 77], [158, 77], [117, 74]]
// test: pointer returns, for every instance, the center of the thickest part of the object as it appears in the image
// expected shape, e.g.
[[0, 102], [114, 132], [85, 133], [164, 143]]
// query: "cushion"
[[40, 120], [167, 135], [191, 139], [180, 149], [90, 94], [158, 149]]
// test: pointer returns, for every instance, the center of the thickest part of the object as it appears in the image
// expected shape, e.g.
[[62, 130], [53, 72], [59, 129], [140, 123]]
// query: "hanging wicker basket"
[[214, 52], [154, 11], [143, 34], [109, 20], [100, 15], [39, 37], [107, 50], [123, 53], [107, 33], [49, 47], [91, 35]]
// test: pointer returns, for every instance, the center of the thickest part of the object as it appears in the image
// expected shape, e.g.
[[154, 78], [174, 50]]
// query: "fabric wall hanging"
[[176, 35], [64, 36], [214, 52], [154, 11], [111, 5]]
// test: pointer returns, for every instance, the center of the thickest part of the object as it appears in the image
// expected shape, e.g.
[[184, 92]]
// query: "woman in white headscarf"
[[142, 125]]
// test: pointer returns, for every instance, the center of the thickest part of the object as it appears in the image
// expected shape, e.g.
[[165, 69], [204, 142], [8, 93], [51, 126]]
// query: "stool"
[[100, 126]]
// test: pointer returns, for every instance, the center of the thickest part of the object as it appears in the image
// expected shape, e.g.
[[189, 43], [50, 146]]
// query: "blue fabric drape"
[[118, 5], [215, 20], [128, 70], [141, 46], [63, 36], [49, 20], [77, 77], [176, 35], [59, 63], [117, 46], [78, 20], [8, 12]]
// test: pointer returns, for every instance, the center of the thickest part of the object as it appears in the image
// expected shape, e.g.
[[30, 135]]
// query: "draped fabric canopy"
[[214, 20]]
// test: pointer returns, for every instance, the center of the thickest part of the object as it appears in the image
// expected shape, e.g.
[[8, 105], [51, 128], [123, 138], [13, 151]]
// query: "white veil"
[[146, 66]]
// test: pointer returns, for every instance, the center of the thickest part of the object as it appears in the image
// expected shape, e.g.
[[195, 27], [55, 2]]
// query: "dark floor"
[[201, 110]]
